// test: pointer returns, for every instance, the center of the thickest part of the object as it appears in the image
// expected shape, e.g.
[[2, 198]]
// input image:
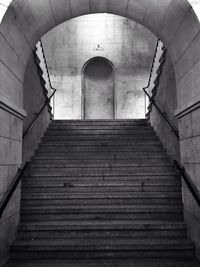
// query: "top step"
[[101, 122]]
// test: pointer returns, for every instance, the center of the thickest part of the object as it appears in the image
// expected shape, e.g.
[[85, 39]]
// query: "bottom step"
[[105, 263]]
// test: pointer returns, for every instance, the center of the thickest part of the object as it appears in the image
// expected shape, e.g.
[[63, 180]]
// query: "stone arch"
[[174, 22], [25, 22]]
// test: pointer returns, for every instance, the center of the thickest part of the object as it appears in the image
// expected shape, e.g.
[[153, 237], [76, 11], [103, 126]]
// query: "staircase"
[[101, 193]]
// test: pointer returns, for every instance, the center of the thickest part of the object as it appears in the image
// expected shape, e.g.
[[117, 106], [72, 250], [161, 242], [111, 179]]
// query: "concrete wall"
[[98, 89], [128, 45], [173, 21], [166, 99], [35, 95]]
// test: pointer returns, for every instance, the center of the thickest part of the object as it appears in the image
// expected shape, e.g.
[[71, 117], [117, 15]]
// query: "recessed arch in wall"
[[174, 22], [98, 89]]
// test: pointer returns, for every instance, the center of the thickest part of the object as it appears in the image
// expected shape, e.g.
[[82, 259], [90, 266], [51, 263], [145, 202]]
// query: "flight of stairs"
[[101, 193]]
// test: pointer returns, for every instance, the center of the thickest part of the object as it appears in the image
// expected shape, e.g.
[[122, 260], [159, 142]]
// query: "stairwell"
[[101, 193]]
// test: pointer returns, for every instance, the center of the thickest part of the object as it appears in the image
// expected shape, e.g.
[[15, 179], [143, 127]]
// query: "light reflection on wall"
[[3, 8], [128, 45], [196, 6]]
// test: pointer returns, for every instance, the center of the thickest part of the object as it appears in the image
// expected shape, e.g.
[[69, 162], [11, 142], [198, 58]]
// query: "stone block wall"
[[35, 95], [190, 157], [165, 98], [13, 124]]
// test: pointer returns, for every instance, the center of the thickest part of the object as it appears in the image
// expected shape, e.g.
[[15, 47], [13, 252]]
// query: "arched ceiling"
[[40, 16], [26, 21]]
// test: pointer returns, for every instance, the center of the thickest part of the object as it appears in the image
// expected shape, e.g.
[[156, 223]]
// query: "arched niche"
[[98, 92]]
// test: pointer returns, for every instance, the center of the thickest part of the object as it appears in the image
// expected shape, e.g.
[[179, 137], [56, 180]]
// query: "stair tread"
[[151, 262], [108, 241], [103, 189]]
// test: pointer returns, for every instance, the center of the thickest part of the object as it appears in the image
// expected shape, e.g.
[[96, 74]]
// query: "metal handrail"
[[48, 99], [21, 171], [152, 65], [194, 191], [38, 114], [167, 121], [13, 186], [45, 62]]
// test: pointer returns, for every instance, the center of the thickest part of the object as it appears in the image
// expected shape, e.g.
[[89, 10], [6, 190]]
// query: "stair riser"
[[97, 157], [107, 168], [112, 128], [132, 183], [95, 178], [101, 165], [137, 216], [100, 138], [61, 202], [102, 196], [69, 174], [95, 131], [95, 123], [103, 142], [130, 254], [65, 151], [130, 162], [99, 190], [39, 234]]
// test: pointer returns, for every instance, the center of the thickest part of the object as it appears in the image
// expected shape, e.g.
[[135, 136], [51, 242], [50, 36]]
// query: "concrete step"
[[100, 163], [103, 169], [102, 177], [102, 212], [145, 262], [100, 122], [100, 128], [60, 188], [126, 229], [51, 149], [99, 201], [103, 142], [103, 225], [101, 190], [101, 137], [168, 216], [54, 131], [33, 183], [100, 159], [103, 248], [103, 195], [101, 155]]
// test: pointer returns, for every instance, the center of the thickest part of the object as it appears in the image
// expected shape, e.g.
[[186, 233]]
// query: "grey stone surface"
[[126, 44], [35, 18], [167, 101]]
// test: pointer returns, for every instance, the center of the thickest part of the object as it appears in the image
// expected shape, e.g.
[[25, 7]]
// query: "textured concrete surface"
[[34, 98], [173, 21], [109, 205], [98, 90], [128, 45], [166, 99]]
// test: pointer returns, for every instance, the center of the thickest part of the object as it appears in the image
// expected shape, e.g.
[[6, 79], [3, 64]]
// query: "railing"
[[152, 70], [194, 191], [167, 121], [22, 170], [38, 114], [47, 102], [191, 186], [47, 69], [12, 188], [152, 65]]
